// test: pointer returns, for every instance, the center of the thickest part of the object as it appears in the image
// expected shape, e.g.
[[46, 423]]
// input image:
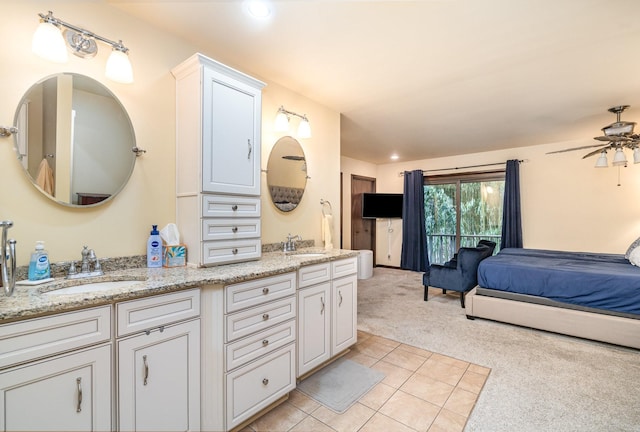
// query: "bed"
[[593, 296]]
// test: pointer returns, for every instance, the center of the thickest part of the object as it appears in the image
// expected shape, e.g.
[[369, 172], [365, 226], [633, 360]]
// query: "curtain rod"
[[401, 174]]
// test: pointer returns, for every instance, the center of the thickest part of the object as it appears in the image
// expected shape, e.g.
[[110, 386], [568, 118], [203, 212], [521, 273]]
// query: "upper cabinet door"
[[231, 120]]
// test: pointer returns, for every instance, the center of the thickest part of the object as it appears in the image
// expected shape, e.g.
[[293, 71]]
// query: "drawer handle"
[[265, 342], [234, 207], [249, 144], [265, 316], [235, 251], [234, 229], [265, 290], [79, 385], [340, 294], [146, 370], [322, 309], [265, 381]]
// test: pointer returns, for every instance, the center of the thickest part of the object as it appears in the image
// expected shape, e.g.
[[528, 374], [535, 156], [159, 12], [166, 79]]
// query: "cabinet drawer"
[[229, 228], [313, 274], [228, 251], [250, 348], [34, 338], [344, 267], [259, 384], [230, 206], [143, 314], [253, 293], [248, 321]]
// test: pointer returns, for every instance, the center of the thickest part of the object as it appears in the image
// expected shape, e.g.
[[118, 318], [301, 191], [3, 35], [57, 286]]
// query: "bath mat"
[[340, 384]]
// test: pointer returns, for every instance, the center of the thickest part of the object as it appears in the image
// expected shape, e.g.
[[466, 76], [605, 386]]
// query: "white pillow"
[[633, 246], [634, 257]]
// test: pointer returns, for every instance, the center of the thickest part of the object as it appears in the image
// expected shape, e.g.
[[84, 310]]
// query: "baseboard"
[[387, 266]]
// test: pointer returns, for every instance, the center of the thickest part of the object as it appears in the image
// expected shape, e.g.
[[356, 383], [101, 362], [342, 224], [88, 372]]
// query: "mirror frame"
[[125, 118], [287, 159]]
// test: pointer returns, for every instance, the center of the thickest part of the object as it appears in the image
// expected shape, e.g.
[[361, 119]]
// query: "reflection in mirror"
[[286, 173], [74, 140]]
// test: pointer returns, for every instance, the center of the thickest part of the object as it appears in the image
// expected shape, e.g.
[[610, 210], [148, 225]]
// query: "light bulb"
[[636, 155], [118, 67], [48, 43], [282, 122], [304, 129], [602, 161], [619, 158]]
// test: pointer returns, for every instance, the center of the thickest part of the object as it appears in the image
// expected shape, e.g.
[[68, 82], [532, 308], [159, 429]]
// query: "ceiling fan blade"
[[575, 148], [595, 152], [613, 138]]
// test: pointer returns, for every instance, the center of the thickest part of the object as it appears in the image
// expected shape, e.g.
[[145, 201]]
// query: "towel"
[[45, 177], [327, 230]]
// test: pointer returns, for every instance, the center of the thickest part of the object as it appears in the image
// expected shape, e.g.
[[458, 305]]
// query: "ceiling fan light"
[[619, 158], [602, 161], [636, 155]]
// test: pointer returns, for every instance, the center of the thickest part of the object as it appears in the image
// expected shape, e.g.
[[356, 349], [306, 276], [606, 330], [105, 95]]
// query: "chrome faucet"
[[8, 259], [89, 259], [290, 244]]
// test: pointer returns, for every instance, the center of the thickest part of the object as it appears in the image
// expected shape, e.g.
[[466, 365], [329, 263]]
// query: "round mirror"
[[286, 173], [74, 140]]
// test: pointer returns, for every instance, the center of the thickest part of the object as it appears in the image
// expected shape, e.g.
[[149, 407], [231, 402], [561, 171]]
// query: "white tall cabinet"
[[218, 129]]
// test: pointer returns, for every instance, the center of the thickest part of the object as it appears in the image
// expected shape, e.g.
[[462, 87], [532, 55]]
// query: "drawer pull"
[[322, 308], [79, 385], [265, 342], [234, 207], [235, 251], [234, 229], [265, 316], [146, 370], [265, 290], [265, 381]]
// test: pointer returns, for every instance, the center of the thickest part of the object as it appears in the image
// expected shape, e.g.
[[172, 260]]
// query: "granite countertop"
[[38, 300]]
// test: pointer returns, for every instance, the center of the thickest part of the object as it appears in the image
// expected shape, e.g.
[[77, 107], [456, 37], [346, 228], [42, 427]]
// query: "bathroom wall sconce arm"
[[282, 122], [6, 131], [138, 151]]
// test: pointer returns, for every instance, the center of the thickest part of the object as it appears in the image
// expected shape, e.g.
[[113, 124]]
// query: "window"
[[460, 210]]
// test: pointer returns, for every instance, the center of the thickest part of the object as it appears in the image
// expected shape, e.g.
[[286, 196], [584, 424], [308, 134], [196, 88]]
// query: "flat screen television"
[[381, 205]]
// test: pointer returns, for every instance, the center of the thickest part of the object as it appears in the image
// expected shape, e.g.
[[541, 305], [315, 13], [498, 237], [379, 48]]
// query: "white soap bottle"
[[154, 248], [39, 267]]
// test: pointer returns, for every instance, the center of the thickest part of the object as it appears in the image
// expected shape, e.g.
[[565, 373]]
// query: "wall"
[[567, 204], [121, 226]]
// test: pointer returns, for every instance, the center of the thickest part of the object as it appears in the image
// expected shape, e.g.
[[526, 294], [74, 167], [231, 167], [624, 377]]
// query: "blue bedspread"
[[602, 281]]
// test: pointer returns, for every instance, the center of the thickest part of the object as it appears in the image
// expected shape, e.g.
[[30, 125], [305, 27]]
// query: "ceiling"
[[431, 78]]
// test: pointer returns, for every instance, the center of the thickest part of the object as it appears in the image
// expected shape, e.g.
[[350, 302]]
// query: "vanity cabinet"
[[47, 366], [327, 312], [218, 160], [253, 352], [158, 351]]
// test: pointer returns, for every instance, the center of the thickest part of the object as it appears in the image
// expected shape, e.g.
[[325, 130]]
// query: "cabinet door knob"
[[234, 207], [234, 229], [265, 290], [79, 385], [235, 251], [265, 316], [265, 381], [265, 342]]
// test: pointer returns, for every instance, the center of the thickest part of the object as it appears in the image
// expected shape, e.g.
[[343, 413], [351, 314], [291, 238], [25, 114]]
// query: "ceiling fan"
[[617, 136]]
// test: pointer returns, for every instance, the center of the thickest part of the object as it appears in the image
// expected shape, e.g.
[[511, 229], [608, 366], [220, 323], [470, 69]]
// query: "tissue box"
[[174, 256]]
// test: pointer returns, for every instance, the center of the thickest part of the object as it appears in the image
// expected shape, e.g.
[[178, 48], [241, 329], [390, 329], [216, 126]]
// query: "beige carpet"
[[539, 381]]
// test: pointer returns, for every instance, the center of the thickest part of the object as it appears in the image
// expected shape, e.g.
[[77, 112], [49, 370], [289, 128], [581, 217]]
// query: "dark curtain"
[[511, 214], [414, 235]]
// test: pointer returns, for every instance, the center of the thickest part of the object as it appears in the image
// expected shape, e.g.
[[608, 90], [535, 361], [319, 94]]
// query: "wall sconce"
[[282, 123], [50, 42]]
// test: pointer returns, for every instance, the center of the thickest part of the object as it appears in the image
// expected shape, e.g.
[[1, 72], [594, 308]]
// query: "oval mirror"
[[74, 140], [286, 173]]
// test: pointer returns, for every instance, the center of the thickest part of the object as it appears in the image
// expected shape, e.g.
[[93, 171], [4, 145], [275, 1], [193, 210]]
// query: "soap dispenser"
[[39, 267], [154, 248]]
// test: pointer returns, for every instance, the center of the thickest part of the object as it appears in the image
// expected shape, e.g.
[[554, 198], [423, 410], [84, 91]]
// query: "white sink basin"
[[93, 287]]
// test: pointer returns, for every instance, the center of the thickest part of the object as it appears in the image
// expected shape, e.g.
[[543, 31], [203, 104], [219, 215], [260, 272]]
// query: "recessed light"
[[395, 157], [258, 8]]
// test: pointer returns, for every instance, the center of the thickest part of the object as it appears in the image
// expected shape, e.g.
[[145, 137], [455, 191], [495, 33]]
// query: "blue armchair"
[[461, 272]]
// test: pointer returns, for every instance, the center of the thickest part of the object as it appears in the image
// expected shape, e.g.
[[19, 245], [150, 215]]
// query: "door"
[[344, 313], [363, 231], [231, 136], [65, 393], [159, 379], [313, 327]]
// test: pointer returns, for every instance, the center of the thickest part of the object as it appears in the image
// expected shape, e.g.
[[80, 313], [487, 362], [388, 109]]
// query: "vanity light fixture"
[[53, 36], [282, 123]]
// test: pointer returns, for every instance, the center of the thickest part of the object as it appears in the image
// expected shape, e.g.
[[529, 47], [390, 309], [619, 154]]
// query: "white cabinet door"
[[64, 393], [230, 136], [159, 379], [314, 311], [344, 325]]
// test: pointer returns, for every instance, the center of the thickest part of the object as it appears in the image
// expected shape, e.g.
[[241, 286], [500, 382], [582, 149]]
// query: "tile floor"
[[422, 391]]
